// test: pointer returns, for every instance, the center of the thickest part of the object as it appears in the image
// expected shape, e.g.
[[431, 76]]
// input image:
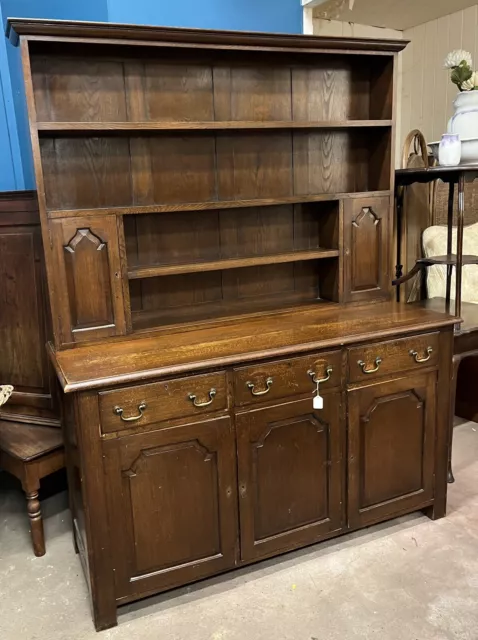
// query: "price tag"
[[318, 401]]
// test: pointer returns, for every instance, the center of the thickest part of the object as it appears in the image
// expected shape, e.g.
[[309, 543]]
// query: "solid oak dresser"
[[217, 222]]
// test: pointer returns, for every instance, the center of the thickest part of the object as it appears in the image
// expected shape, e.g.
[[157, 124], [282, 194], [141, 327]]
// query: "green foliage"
[[461, 74]]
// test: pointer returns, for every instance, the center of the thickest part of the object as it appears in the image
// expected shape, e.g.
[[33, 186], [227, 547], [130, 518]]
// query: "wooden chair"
[[31, 452]]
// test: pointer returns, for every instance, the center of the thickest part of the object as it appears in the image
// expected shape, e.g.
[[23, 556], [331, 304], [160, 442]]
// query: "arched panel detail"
[[88, 280], [366, 243], [317, 423], [145, 454], [412, 395], [366, 211]]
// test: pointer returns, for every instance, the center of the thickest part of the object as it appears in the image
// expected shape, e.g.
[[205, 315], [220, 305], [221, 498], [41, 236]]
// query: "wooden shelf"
[[423, 263], [218, 313], [233, 263], [449, 259], [94, 127], [207, 206]]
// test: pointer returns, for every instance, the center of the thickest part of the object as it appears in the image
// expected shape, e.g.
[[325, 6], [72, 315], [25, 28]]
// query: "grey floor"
[[410, 579]]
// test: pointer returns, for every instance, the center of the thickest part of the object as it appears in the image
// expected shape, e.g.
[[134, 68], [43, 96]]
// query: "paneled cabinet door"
[[391, 448], [290, 471], [172, 504], [88, 292], [23, 313], [367, 271]]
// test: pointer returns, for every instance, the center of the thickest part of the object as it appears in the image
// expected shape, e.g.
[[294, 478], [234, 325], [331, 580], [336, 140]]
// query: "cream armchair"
[[5, 392]]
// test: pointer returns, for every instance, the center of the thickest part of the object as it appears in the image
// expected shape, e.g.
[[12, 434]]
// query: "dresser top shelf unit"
[[189, 177]]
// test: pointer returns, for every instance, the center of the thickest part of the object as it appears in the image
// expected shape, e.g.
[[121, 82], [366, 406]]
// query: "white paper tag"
[[318, 402]]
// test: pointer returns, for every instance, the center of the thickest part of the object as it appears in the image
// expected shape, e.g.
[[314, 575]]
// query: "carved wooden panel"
[[173, 495], [290, 475], [24, 312], [367, 239], [173, 491], [299, 446], [89, 296], [367, 251], [22, 326], [391, 436], [86, 261]]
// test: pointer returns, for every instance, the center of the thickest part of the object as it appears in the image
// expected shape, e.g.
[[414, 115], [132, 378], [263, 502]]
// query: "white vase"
[[449, 153], [465, 119]]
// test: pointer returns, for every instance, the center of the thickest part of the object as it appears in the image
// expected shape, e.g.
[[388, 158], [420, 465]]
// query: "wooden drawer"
[[285, 378], [164, 400], [393, 356]]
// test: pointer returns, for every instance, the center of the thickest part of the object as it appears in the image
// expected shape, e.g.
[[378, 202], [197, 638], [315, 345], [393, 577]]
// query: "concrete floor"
[[410, 579]]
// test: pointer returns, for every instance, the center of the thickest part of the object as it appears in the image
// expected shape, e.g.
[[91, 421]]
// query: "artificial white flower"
[[455, 58], [470, 84]]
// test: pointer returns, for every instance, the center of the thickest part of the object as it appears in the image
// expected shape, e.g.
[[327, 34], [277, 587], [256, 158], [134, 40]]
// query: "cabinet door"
[[290, 470], [391, 448], [89, 294], [367, 270], [172, 504]]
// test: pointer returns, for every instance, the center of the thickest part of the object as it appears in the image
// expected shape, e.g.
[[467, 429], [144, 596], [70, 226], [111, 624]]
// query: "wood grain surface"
[[108, 363]]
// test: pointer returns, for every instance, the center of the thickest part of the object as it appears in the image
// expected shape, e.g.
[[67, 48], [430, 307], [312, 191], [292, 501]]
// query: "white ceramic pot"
[[469, 150], [449, 151], [465, 119]]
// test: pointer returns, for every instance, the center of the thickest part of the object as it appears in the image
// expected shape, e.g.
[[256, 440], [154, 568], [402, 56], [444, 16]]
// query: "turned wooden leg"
[[36, 523], [453, 383]]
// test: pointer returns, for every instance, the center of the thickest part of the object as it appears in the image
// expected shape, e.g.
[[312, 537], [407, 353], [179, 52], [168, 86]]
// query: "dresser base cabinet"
[[161, 500]]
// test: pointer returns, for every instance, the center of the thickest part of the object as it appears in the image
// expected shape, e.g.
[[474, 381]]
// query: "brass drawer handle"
[[315, 380], [362, 365], [414, 355], [250, 385], [211, 394], [119, 412]]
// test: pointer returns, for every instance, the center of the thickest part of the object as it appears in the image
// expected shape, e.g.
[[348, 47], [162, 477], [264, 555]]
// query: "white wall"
[[427, 93], [351, 29]]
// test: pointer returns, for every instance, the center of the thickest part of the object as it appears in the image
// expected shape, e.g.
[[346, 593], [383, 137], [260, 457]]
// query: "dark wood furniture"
[[466, 333], [31, 452], [24, 313], [217, 216], [30, 435]]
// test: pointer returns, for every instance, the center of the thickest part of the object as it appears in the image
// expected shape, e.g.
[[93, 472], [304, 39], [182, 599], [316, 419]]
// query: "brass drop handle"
[[414, 355], [119, 412], [211, 394], [315, 380], [250, 385], [362, 365]]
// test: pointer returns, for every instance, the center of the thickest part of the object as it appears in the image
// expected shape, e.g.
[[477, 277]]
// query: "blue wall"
[[16, 166], [14, 106], [246, 15]]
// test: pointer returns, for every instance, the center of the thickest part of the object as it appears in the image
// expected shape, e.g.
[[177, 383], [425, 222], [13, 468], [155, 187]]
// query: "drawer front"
[[393, 356], [285, 378], [145, 404]]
